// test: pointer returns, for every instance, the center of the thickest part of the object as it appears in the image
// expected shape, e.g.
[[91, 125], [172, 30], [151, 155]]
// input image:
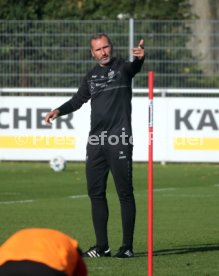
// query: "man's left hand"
[[139, 51]]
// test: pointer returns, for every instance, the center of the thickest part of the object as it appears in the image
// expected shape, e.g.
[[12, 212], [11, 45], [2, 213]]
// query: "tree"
[[93, 9], [165, 39]]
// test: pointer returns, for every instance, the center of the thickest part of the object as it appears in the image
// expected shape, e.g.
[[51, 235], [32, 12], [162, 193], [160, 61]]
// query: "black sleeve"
[[134, 67], [81, 97]]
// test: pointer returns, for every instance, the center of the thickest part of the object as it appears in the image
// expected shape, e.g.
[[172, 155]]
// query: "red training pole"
[[150, 172]]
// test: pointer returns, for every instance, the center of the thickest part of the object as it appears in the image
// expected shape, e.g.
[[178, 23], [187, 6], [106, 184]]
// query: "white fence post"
[[131, 37]]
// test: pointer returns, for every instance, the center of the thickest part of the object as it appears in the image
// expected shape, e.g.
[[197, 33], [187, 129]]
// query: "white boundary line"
[[85, 196], [77, 196], [17, 201], [32, 200], [164, 189]]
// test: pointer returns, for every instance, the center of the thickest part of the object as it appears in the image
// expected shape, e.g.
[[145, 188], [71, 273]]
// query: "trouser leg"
[[97, 172], [120, 161]]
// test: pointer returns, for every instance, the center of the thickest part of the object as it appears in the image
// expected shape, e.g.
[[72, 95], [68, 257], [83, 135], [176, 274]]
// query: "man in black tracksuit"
[[109, 146]]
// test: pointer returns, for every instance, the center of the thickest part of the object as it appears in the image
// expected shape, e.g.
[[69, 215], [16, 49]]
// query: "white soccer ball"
[[57, 163]]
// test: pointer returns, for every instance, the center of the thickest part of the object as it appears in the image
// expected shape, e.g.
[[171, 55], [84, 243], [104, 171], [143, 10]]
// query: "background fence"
[[184, 54]]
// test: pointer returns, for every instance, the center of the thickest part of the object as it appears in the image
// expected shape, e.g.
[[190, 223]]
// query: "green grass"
[[186, 214]]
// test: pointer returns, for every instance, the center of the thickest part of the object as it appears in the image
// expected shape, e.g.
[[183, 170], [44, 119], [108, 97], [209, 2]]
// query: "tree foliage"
[[93, 9], [153, 21]]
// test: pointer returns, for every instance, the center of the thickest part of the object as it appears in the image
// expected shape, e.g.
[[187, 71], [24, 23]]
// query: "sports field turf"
[[186, 214]]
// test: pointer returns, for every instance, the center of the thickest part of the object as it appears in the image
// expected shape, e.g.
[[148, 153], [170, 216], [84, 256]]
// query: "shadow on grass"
[[140, 254], [181, 250], [187, 249]]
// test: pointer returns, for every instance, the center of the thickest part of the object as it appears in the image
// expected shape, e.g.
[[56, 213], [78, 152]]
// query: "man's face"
[[101, 50]]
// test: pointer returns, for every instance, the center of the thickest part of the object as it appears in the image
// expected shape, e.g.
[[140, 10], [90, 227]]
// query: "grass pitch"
[[186, 214]]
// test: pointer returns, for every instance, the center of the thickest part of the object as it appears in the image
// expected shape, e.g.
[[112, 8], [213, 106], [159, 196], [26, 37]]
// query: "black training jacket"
[[109, 89]]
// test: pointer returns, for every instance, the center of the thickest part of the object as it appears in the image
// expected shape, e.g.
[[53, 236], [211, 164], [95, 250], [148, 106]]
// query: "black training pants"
[[116, 158]]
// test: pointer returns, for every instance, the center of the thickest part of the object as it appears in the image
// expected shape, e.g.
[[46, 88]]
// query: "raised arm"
[[138, 52]]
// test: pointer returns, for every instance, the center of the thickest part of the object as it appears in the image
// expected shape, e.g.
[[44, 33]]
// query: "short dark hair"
[[99, 35]]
